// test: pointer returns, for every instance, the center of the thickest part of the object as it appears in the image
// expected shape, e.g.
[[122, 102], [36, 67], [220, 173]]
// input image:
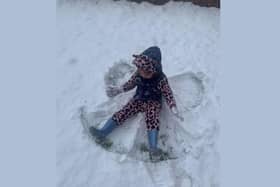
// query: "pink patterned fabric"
[[167, 92], [145, 63], [163, 86], [131, 83], [150, 108]]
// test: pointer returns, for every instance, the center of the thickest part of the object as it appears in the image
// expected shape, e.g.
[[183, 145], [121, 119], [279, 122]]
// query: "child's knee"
[[122, 115], [152, 124], [118, 118]]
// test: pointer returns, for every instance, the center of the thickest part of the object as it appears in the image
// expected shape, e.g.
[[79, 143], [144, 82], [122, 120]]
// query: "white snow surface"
[[94, 35]]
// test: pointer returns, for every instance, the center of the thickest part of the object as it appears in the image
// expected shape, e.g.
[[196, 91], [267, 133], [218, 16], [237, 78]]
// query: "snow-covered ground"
[[91, 37]]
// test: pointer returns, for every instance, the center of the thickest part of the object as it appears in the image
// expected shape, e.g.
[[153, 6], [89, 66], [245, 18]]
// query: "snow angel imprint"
[[151, 86]]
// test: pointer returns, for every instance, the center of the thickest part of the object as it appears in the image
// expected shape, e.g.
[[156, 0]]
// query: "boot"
[[100, 134], [152, 137], [153, 150], [155, 153]]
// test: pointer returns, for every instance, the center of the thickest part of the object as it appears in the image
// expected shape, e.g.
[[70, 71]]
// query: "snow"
[[91, 37]]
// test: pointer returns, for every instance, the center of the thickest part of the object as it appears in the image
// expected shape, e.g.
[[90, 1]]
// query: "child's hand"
[[176, 113], [112, 91]]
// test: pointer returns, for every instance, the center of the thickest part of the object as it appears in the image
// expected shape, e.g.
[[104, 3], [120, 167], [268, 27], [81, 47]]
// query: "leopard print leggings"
[[151, 109]]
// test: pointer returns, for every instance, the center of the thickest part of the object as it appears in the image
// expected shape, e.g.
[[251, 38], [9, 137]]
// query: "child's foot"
[[104, 142], [158, 155], [100, 138], [144, 147], [95, 132]]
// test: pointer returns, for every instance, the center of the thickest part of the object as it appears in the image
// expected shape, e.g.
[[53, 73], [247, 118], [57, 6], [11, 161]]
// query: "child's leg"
[[129, 110], [152, 115], [152, 122], [109, 126], [152, 138]]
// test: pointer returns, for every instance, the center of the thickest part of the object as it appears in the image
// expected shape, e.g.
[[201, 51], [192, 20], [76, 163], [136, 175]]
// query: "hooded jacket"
[[152, 88]]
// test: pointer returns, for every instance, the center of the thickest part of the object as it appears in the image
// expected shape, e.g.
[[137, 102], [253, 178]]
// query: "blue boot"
[[109, 126], [153, 150], [155, 153], [152, 137]]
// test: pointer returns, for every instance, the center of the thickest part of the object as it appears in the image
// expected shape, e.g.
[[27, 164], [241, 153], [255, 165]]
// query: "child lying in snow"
[[151, 84]]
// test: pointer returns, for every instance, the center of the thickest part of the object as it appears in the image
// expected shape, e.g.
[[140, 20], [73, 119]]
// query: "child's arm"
[[131, 83], [167, 92], [112, 91]]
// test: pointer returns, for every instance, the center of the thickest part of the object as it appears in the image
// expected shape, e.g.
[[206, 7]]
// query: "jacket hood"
[[149, 60]]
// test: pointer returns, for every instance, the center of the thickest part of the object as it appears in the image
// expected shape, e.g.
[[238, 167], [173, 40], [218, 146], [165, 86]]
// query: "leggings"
[[150, 108]]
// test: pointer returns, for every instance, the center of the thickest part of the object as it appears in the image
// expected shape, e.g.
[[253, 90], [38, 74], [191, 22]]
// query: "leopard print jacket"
[[162, 86]]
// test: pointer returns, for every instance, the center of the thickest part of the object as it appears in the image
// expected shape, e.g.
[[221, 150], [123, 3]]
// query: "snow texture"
[[95, 42]]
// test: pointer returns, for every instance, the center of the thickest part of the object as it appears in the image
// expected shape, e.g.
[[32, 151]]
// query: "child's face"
[[145, 74]]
